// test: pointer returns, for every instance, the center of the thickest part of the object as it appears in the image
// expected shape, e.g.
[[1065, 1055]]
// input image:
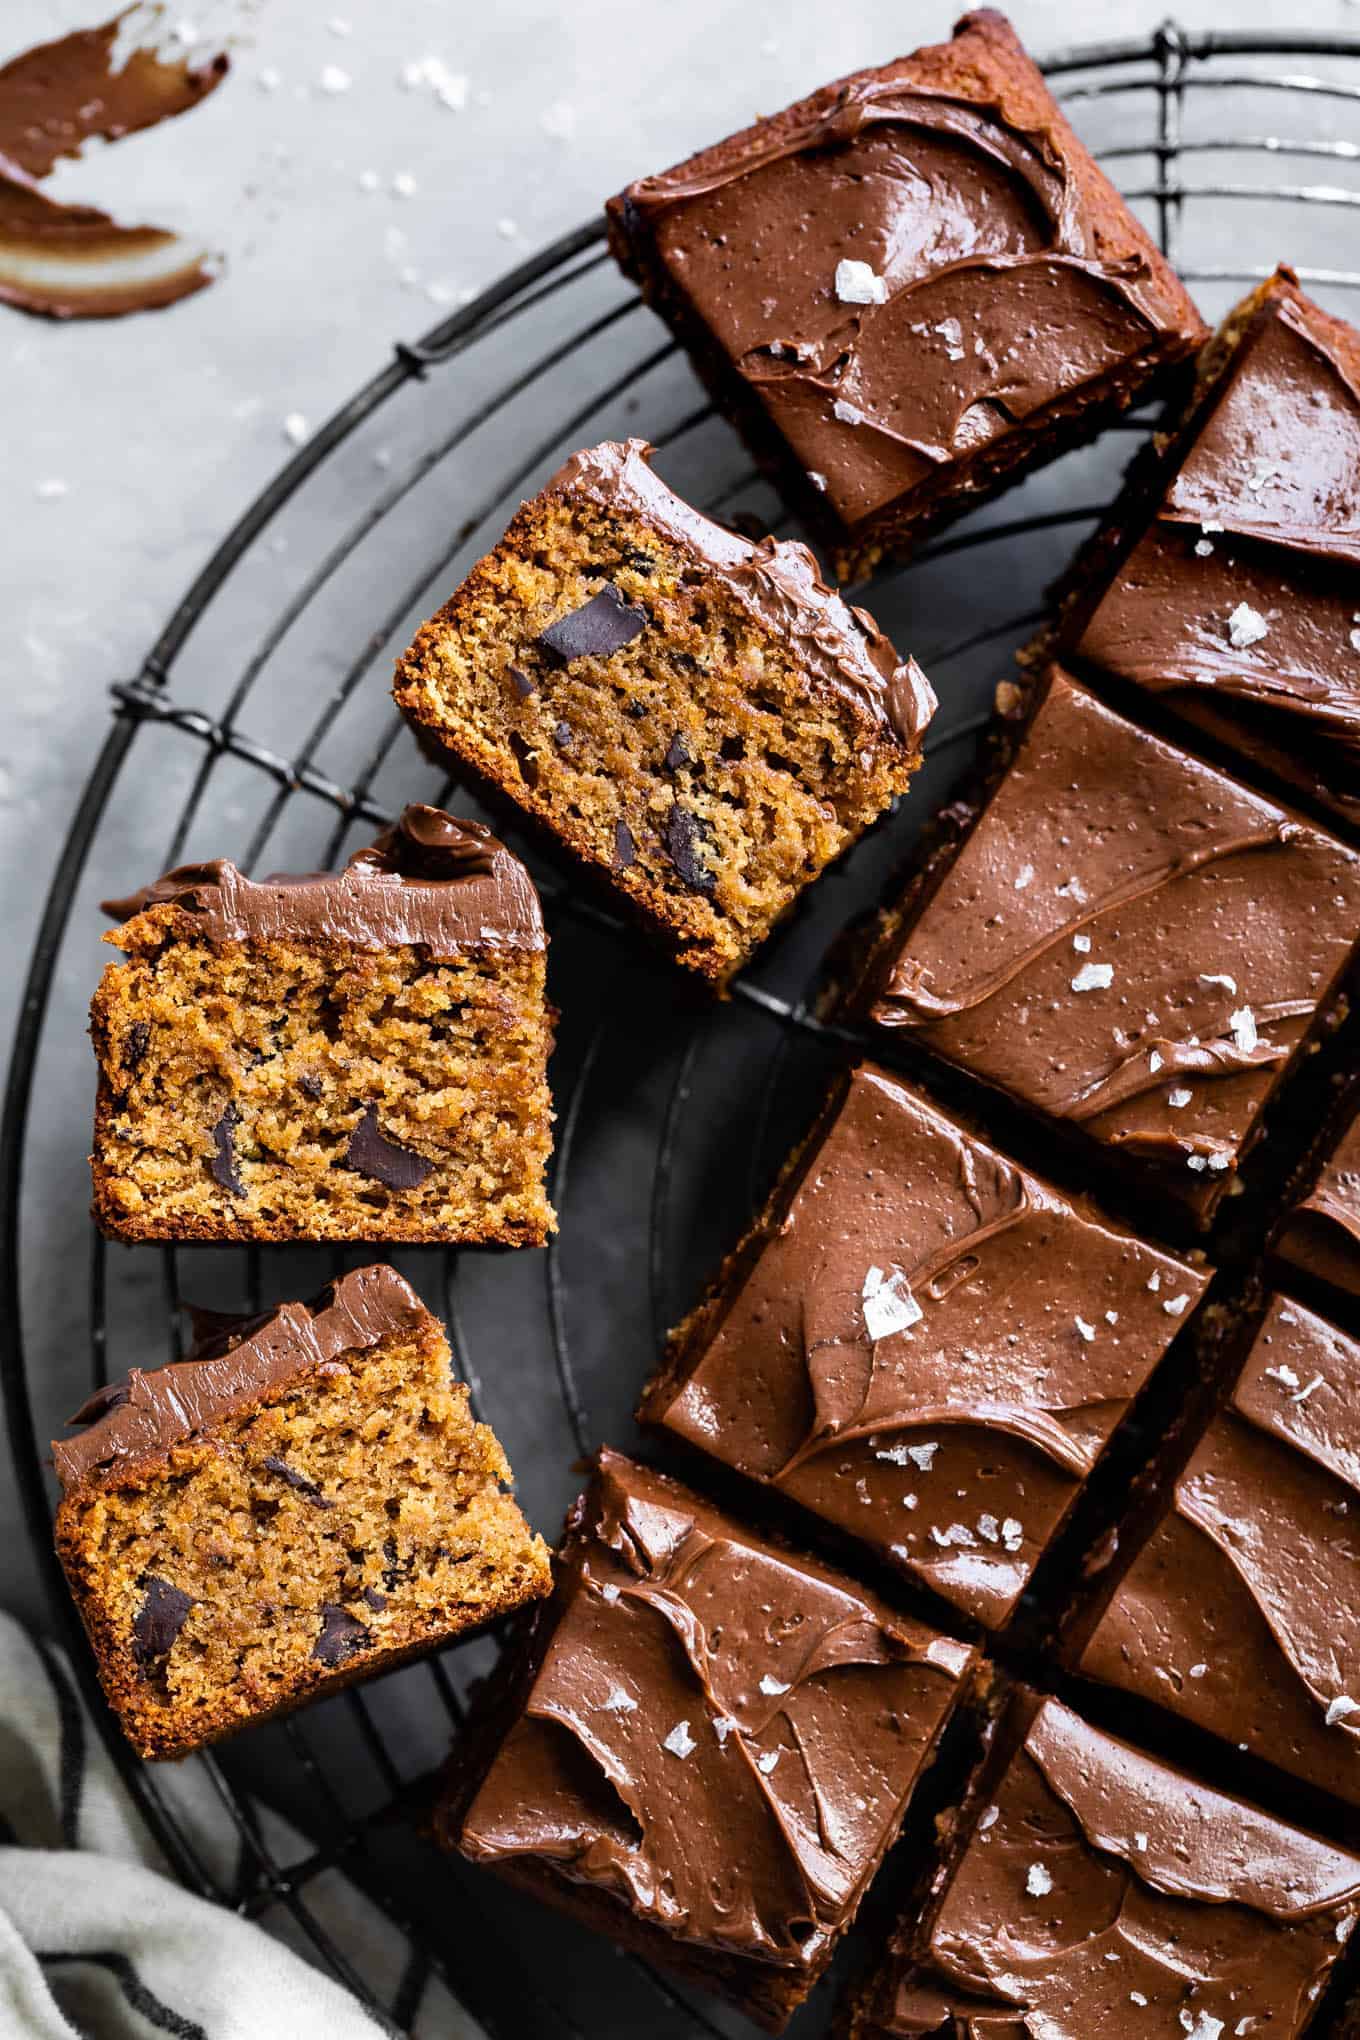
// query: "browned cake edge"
[[155, 1740], [648, 905]]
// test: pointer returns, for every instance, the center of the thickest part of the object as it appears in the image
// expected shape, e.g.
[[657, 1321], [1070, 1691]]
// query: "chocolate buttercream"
[[776, 581], [1242, 1611], [1003, 274], [428, 881], [1106, 1893], [1321, 1235], [1239, 602], [718, 1734], [1128, 941], [232, 1362], [931, 1349], [73, 261]]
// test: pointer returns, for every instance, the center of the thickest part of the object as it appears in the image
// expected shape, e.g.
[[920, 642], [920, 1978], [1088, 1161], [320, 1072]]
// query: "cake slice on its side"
[[696, 717], [908, 289], [305, 1500], [358, 1055]]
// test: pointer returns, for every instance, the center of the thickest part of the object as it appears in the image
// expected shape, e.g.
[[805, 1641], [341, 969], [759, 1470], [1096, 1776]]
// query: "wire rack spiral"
[[259, 727]]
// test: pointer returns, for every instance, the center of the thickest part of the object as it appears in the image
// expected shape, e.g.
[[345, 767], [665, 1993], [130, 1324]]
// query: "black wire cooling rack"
[[259, 727]]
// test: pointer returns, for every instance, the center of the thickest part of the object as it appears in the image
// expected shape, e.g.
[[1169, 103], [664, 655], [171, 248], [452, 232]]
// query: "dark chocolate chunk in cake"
[[697, 719], [304, 1500], [359, 1055]]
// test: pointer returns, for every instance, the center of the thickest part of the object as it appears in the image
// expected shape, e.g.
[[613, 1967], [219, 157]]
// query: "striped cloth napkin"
[[97, 1942]]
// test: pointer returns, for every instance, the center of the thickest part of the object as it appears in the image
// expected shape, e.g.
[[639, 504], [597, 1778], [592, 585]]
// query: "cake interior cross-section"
[[305, 1499], [924, 1345], [698, 720], [353, 1055]]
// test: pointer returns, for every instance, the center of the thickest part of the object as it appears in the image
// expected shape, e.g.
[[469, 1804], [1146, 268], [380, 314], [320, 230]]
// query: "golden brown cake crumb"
[[276, 1064], [303, 1502], [698, 719]]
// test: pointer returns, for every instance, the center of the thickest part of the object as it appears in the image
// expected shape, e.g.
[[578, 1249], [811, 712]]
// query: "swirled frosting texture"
[[776, 581], [232, 1362], [1253, 1576], [1261, 508], [1321, 1235], [1010, 275], [1128, 941], [719, 1735], [931, 1348], [1109, 1894], [428, 881]]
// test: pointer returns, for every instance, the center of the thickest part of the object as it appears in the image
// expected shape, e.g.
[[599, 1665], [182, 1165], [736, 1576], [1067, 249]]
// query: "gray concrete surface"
[[348, 218]]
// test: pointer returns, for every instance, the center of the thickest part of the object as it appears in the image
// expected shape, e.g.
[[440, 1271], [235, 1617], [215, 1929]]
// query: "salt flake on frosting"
[[1179, 1099], [619, 1702], [1038, 1881], [1243, 1025], [766, 1763], [772, 1686], [1285, 1375], [1246, 626], [680, 1742], [1087, 1332], [857, 284], [1302, 1394], [1082, 944], [1219, 977], [889, 1305], [1093, 977], [1012, 1533], [922, 1455], [1024, 876], [1174, 1306]]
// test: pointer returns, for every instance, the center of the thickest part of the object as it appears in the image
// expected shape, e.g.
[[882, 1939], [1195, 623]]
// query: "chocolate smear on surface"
[[341, 1635], [601, 627], [222, 1168], [372, 1154], [73, 261], [158, 1622], [683, 836]]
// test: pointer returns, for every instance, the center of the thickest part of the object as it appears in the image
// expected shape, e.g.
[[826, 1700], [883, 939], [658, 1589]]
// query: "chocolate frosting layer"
[[931, 1349], [1262, 510], [1128, 940], [1005, 273], [1109, 1894], [1321, 1236], [428, 881], [1242, 1611], [778, 584], [719, 1734], [73, 261], [232, 1362]]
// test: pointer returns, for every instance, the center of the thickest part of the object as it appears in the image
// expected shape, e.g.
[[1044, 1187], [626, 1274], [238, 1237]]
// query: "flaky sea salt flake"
[[1246, 626], [1038, 1881], [1093, 977], [1243, 1025], [680, 1742], [857, 284], [888, 1304]]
